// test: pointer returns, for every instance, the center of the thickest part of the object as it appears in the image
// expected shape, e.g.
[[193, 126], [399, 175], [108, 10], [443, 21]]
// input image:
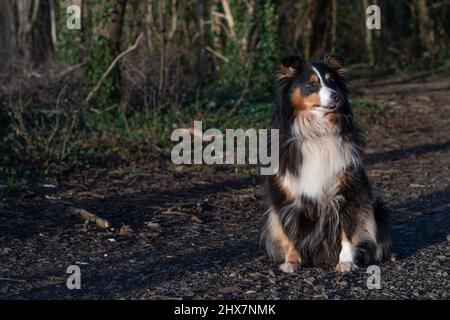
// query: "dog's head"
[[314, 87]]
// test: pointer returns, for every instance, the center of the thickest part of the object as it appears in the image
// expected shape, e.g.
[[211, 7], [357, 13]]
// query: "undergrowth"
[[116, 138]]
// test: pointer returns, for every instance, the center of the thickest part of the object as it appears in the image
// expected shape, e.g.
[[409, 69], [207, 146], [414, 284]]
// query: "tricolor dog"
[[322, 209]]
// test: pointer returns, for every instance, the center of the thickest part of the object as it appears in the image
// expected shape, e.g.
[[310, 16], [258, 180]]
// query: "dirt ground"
[[194, 232]]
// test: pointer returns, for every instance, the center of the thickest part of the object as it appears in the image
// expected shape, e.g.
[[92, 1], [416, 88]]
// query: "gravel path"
[[194, 232]]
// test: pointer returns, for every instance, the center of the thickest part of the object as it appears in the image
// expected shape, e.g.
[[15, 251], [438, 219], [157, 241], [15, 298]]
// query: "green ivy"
[[255, 65], [70, 42], [101, 53], [269, 47]]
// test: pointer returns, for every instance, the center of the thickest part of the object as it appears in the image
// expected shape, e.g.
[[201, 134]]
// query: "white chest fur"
[[324, 159]]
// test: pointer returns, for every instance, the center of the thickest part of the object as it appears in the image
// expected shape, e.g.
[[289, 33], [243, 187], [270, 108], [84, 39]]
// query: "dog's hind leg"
[[279, 245]]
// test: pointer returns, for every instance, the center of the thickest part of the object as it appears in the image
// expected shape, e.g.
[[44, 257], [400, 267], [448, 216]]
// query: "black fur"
[[314, 226]]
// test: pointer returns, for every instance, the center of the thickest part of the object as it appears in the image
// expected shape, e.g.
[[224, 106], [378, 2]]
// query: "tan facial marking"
[[314, 77], [311, 100], [327, 76], [301, 103], [297, 99]]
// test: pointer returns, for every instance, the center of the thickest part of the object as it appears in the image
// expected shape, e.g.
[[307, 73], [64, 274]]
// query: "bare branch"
[[112, 65]]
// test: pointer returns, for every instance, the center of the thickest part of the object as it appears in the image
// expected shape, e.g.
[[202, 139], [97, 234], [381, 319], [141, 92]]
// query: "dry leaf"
[[196, 219], [152, 225], [126, 230]]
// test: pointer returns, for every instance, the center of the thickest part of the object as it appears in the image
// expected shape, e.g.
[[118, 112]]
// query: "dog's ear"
[[335, 62], [289, 67]]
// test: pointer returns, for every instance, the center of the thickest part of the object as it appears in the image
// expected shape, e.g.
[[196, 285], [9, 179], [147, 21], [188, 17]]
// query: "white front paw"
[[290, 267], [346, 266]]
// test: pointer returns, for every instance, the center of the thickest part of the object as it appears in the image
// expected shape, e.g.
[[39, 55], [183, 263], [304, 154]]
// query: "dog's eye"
[[312, 85]]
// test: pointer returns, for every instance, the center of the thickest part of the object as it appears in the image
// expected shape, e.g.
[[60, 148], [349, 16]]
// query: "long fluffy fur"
[[313, 222]]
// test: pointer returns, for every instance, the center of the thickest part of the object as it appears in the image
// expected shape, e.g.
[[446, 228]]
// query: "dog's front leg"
[[347, 255], [292, 260]]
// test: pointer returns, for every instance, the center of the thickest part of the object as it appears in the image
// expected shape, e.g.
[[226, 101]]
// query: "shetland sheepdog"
[[322, 209]]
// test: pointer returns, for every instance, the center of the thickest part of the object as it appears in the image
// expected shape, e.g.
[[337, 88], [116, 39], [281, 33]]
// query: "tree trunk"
[[137, 16], [70, 43], [162, 49], [229, 17], [34, 30], [308, 7], [426, 32], [201, 48], [333, 25], [368, 39], [113, 29], [105, 48], [320, 24], [53, 23], [8, 39], [27, 13]]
